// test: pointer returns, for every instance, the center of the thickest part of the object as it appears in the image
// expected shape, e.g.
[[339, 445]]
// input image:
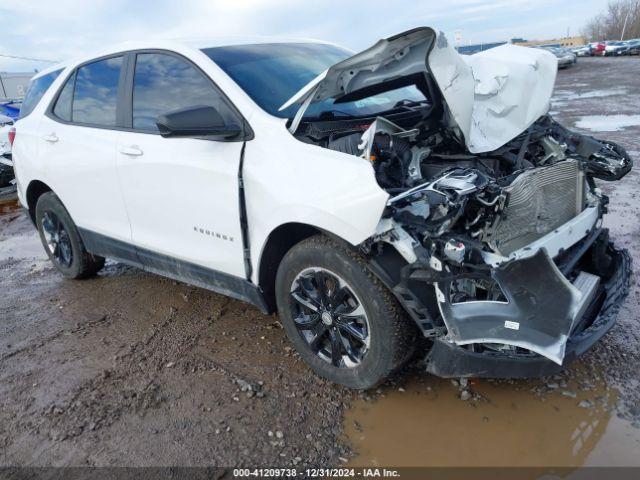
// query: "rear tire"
[[371, 332], [62, 241]]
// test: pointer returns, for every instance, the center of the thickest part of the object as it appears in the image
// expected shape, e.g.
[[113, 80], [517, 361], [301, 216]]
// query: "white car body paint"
[[286, 181], [304, 183]]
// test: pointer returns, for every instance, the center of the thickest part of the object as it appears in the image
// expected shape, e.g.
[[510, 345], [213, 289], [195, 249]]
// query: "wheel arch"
[[35, 190], [278, 243]]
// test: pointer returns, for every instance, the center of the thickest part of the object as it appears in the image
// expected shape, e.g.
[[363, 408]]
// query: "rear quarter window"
[[62, 108], [36, 90]]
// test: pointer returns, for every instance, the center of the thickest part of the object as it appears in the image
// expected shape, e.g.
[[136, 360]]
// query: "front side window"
[[35, 92], [96, 93], [164, 83]]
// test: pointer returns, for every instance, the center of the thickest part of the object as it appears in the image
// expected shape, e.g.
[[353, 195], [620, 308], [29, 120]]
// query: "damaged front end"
[[509, 246], [491, 238]]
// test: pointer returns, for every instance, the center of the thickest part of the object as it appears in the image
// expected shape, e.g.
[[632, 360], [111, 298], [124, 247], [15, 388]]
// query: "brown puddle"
[[504, 424], [9, 205]]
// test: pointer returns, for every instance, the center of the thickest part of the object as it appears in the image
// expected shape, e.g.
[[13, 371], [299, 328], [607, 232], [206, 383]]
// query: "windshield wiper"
[[409, 103]]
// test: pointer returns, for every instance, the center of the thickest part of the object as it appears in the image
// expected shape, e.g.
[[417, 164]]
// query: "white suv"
[[374, 199]]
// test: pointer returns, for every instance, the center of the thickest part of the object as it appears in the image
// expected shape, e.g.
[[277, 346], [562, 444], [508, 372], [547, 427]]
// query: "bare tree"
[[620, 15]]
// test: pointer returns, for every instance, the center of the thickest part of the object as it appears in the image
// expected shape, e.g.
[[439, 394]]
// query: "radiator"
[[538, 201]]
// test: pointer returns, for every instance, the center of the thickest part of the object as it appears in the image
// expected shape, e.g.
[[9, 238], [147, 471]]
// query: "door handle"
[[131, 150], [51, 138]]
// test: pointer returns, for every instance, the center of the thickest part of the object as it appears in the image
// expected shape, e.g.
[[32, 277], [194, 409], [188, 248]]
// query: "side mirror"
[[198, 121]]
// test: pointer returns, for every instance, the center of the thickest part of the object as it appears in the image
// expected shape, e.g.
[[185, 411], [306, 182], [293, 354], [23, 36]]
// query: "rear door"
[[78, 139], [181, 193], [28, 142]]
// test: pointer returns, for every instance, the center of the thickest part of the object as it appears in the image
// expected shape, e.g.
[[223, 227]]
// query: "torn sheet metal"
[[382, 125], [513, 87], [541, 309], [491, 96]]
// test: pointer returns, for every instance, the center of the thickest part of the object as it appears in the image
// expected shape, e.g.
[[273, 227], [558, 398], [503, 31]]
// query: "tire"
[[350, 288], [61, 240]]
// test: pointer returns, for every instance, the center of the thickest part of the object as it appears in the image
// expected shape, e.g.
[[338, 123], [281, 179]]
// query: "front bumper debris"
[[447, 359], [541, 310]]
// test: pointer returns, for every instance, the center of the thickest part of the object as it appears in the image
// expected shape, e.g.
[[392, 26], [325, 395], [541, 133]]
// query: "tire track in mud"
[[41, 342], [131, 385]]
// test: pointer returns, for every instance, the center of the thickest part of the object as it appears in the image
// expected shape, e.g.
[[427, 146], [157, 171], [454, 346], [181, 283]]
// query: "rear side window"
[[96, 93], [164, 83], [62, 109], [36, 90]]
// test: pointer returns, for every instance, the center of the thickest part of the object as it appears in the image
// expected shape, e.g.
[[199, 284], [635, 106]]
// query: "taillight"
[[12, 135]]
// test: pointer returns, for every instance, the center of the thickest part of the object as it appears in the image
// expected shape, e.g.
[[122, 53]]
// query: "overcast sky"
[[62, 29]]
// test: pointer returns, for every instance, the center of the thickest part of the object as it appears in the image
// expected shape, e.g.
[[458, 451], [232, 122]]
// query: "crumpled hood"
[[491, 96]]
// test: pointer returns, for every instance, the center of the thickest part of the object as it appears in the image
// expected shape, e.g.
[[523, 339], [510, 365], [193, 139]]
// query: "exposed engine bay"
[[500, 200], [487, 230], [540, 180]]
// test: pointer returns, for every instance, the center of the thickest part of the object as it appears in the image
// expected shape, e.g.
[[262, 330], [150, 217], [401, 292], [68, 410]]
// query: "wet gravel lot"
[[133, 369]]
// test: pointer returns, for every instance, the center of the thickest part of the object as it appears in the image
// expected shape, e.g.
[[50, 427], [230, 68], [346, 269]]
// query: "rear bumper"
[[447, 359]]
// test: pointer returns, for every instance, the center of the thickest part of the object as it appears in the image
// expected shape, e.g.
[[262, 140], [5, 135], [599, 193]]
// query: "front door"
[[181, 194]]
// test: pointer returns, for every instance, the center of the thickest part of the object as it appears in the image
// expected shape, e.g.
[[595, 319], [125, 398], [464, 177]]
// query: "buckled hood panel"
[[492, 96]]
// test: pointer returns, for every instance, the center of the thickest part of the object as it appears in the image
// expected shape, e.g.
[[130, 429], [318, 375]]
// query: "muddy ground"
[[133, 369]]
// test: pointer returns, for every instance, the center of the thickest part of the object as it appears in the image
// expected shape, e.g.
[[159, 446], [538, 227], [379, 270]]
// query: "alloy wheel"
[[330, 317], [57, 239]]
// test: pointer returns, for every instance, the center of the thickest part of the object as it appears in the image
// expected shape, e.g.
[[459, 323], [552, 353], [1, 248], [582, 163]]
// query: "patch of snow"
[[608, 123], [22, 246], [564, 95]]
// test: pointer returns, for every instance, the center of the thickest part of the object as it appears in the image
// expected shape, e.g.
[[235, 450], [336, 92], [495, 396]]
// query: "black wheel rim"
[[330, 317], [57, 239]]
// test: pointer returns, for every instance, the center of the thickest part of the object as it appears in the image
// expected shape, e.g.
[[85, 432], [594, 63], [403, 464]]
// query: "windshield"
[[272, 73]]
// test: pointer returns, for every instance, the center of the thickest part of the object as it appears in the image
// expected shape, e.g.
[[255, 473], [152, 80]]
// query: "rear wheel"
[[339, 317], [62, 241]]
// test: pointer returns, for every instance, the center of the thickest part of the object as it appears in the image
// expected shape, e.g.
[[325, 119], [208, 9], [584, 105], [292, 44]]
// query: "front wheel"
[[344, 323]]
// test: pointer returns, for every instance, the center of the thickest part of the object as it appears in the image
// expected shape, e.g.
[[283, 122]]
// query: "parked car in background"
[[373, 200], [597, 48], [5, 126], [568, 52], [614, 48], [632, 47], [10, 108], [565, 57], [6, 164], [583, 51]]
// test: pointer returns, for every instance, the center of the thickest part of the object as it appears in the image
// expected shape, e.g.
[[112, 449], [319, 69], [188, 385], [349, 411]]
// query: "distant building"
[[13, 86], [554, 42]]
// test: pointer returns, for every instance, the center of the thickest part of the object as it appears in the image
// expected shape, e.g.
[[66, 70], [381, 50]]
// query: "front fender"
[[287, 181]]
